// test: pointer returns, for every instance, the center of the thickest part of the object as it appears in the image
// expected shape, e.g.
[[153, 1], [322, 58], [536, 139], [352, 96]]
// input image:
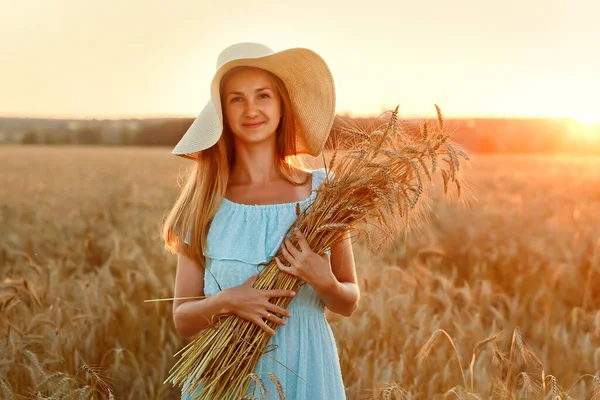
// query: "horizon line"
[[338, 113]]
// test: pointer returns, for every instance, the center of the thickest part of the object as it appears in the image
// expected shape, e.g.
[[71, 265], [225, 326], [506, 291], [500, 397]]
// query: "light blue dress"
[[243, 236]]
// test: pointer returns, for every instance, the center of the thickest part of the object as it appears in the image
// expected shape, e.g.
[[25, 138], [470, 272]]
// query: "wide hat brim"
[[311, 90]]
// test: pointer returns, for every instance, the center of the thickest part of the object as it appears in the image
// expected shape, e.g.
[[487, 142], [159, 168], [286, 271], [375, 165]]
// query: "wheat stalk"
[[8, 394], [529, 384], [426, 349], [554, 391], [83, 392], [524, 351], [256, 379], [596, 392], [277, 384], [61, 388], [391, 389], [34, 360], [374, 188], [498, 389], [95, 374], [478, 346], [49, 378]]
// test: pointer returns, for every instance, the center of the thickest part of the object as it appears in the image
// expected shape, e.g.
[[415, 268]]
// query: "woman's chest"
[[274, 193]]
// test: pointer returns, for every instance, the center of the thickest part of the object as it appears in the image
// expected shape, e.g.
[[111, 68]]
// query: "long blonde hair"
[[206, 184]]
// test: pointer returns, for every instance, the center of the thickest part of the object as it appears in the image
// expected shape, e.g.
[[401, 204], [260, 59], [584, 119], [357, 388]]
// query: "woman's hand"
[[305, 264], [253, 304]]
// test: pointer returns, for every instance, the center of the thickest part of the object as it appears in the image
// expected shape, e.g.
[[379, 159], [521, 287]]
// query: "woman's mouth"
[[252, 126]]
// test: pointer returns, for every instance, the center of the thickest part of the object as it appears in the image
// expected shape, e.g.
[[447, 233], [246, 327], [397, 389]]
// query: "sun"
[[589, 119], [586, 127]]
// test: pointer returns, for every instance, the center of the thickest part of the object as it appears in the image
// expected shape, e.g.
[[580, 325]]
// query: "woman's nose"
[[251, 109]]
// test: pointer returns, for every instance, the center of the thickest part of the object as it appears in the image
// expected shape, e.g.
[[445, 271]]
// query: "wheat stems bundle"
[[374, 186]]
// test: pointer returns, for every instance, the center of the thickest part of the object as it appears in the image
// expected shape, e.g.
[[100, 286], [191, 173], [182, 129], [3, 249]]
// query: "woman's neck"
[[254, 166]]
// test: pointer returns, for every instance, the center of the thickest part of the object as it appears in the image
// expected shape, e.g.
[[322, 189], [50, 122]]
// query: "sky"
[[141, 58]]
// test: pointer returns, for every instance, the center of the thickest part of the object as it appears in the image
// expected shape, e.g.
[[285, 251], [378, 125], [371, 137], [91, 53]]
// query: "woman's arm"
[[333, 278], [192, 316], [341, 293]]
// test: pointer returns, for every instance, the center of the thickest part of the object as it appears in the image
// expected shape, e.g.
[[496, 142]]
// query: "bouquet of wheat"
[[374, 187]]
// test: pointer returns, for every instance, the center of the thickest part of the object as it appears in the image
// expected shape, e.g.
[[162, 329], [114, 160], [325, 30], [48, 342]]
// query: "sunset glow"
[[589, 119], [589, 131], [112, 59]]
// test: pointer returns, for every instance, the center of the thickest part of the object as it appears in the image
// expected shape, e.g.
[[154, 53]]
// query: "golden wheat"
[[80, 231]]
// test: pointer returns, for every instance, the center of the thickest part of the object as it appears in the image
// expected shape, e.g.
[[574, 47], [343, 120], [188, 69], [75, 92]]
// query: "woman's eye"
[[236, 99], [264, 96]]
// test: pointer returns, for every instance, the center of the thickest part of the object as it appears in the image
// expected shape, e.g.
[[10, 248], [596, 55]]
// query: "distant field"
[[80, 252]]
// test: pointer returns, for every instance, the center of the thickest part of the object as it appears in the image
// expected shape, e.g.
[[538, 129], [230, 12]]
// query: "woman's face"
[[251, 105]]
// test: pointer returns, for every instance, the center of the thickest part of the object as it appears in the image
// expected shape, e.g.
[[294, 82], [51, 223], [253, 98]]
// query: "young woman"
[[266, 110]]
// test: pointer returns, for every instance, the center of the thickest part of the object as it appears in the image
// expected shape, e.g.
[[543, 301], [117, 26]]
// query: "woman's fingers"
[[259, 320], [280, 293], [263, 325], [279, 310], [302, 242], [287, 245], [287, 255], [274, 318], [272, 315], [284, 268]]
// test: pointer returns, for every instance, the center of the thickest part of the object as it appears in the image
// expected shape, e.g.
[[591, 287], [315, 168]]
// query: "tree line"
[[480, 135]]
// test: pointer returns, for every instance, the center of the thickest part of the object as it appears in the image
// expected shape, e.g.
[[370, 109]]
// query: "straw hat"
[[309, 84]]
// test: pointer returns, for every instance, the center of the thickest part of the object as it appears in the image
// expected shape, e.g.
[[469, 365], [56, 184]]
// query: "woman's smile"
[[253, 125]]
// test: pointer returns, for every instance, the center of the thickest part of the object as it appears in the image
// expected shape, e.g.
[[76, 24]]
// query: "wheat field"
[[496, 299]]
